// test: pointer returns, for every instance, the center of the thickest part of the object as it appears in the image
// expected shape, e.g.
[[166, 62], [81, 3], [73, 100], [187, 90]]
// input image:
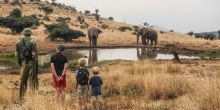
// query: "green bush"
[[104, 26], [16, 13], [190, 33], [51, 27], [63, 20], [124, 28], [135, 28], [80, 19], [87, 12], [62, 32], [17, 25], [111, 18]]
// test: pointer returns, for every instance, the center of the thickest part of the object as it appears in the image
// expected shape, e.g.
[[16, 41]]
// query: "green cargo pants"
[[28, 76]]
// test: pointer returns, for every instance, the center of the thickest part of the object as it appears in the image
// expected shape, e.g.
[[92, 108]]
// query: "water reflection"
[[93, 58], [146, 53], [97, 55]]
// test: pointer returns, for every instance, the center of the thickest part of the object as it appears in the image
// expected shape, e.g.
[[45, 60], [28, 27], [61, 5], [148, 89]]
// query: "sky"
[[178, 15]]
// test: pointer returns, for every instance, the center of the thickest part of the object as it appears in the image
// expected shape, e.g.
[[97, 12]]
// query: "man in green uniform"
[[26, 54]]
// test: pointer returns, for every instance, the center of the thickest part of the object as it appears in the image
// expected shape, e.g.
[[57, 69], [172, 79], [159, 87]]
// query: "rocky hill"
[[110, 36]]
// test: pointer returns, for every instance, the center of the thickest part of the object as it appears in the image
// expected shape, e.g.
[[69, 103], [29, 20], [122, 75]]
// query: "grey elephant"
[[93, 34], [147, 34]]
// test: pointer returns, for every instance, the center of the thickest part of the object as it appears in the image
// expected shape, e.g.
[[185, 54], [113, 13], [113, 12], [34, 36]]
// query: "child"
[[59, 67], [96, 82], [82, 87]]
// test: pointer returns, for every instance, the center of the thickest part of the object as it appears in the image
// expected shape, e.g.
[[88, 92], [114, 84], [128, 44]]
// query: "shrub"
[[162, 32], [87, 12], [47, 9], [83, 26], [16, 2], [63, 19], [80, 19], [104, 26], [51, 27], [16, 13], [133, 88], [97, 17], [6, 1], [124, 28], [135, 28], [63, 32], [111, 18], [18, 24], [190, 33]]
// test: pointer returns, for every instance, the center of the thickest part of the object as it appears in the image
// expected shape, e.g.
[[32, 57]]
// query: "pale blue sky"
[[179, 15]]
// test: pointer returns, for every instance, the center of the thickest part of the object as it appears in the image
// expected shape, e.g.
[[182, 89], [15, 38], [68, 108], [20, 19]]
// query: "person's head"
[[95, 70], [60, 48], [82, 62], [27, 32]]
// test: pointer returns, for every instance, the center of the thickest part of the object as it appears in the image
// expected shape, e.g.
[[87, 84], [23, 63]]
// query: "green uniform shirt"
[[20, 48]]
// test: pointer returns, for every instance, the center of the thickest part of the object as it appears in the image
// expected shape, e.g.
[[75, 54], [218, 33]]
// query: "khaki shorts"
[[82, 90]]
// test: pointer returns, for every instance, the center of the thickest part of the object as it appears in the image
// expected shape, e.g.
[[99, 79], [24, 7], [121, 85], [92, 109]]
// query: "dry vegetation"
[[142, 85]]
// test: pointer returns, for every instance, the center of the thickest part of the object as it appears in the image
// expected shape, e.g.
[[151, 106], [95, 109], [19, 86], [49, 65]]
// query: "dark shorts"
[[59, 84]]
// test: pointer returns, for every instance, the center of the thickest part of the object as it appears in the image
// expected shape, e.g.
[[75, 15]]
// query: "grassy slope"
[[110, 36]]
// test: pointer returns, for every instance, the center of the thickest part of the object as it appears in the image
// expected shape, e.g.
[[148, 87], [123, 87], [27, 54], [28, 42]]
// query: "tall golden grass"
[[142, 85]]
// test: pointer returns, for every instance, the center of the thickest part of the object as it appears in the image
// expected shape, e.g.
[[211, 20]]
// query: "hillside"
[[109, 37]]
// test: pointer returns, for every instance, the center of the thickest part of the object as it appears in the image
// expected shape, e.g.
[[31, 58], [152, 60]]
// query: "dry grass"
[[148, 85]]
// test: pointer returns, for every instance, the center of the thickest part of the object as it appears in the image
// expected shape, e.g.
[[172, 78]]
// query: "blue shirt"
[[96, 82]]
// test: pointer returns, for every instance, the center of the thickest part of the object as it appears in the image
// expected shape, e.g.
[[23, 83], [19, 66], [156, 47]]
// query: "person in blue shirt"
[[96, 82]]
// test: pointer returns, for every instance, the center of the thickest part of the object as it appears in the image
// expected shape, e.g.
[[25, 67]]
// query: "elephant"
[[147, 34], [93, 58], [93, 34], [146, 53]]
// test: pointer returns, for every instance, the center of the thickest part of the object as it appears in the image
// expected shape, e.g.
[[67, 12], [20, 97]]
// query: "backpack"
[[82, 76], [27, 52]]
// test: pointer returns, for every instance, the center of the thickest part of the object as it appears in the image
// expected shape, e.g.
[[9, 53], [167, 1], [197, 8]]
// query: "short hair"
[[95, 70], [82, 62]]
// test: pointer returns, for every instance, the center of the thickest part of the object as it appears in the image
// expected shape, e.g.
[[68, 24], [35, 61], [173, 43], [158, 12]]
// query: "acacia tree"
[[190, 33], [47, 9], [87, 12], [111, 18], [97, 16], [219, 34]]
